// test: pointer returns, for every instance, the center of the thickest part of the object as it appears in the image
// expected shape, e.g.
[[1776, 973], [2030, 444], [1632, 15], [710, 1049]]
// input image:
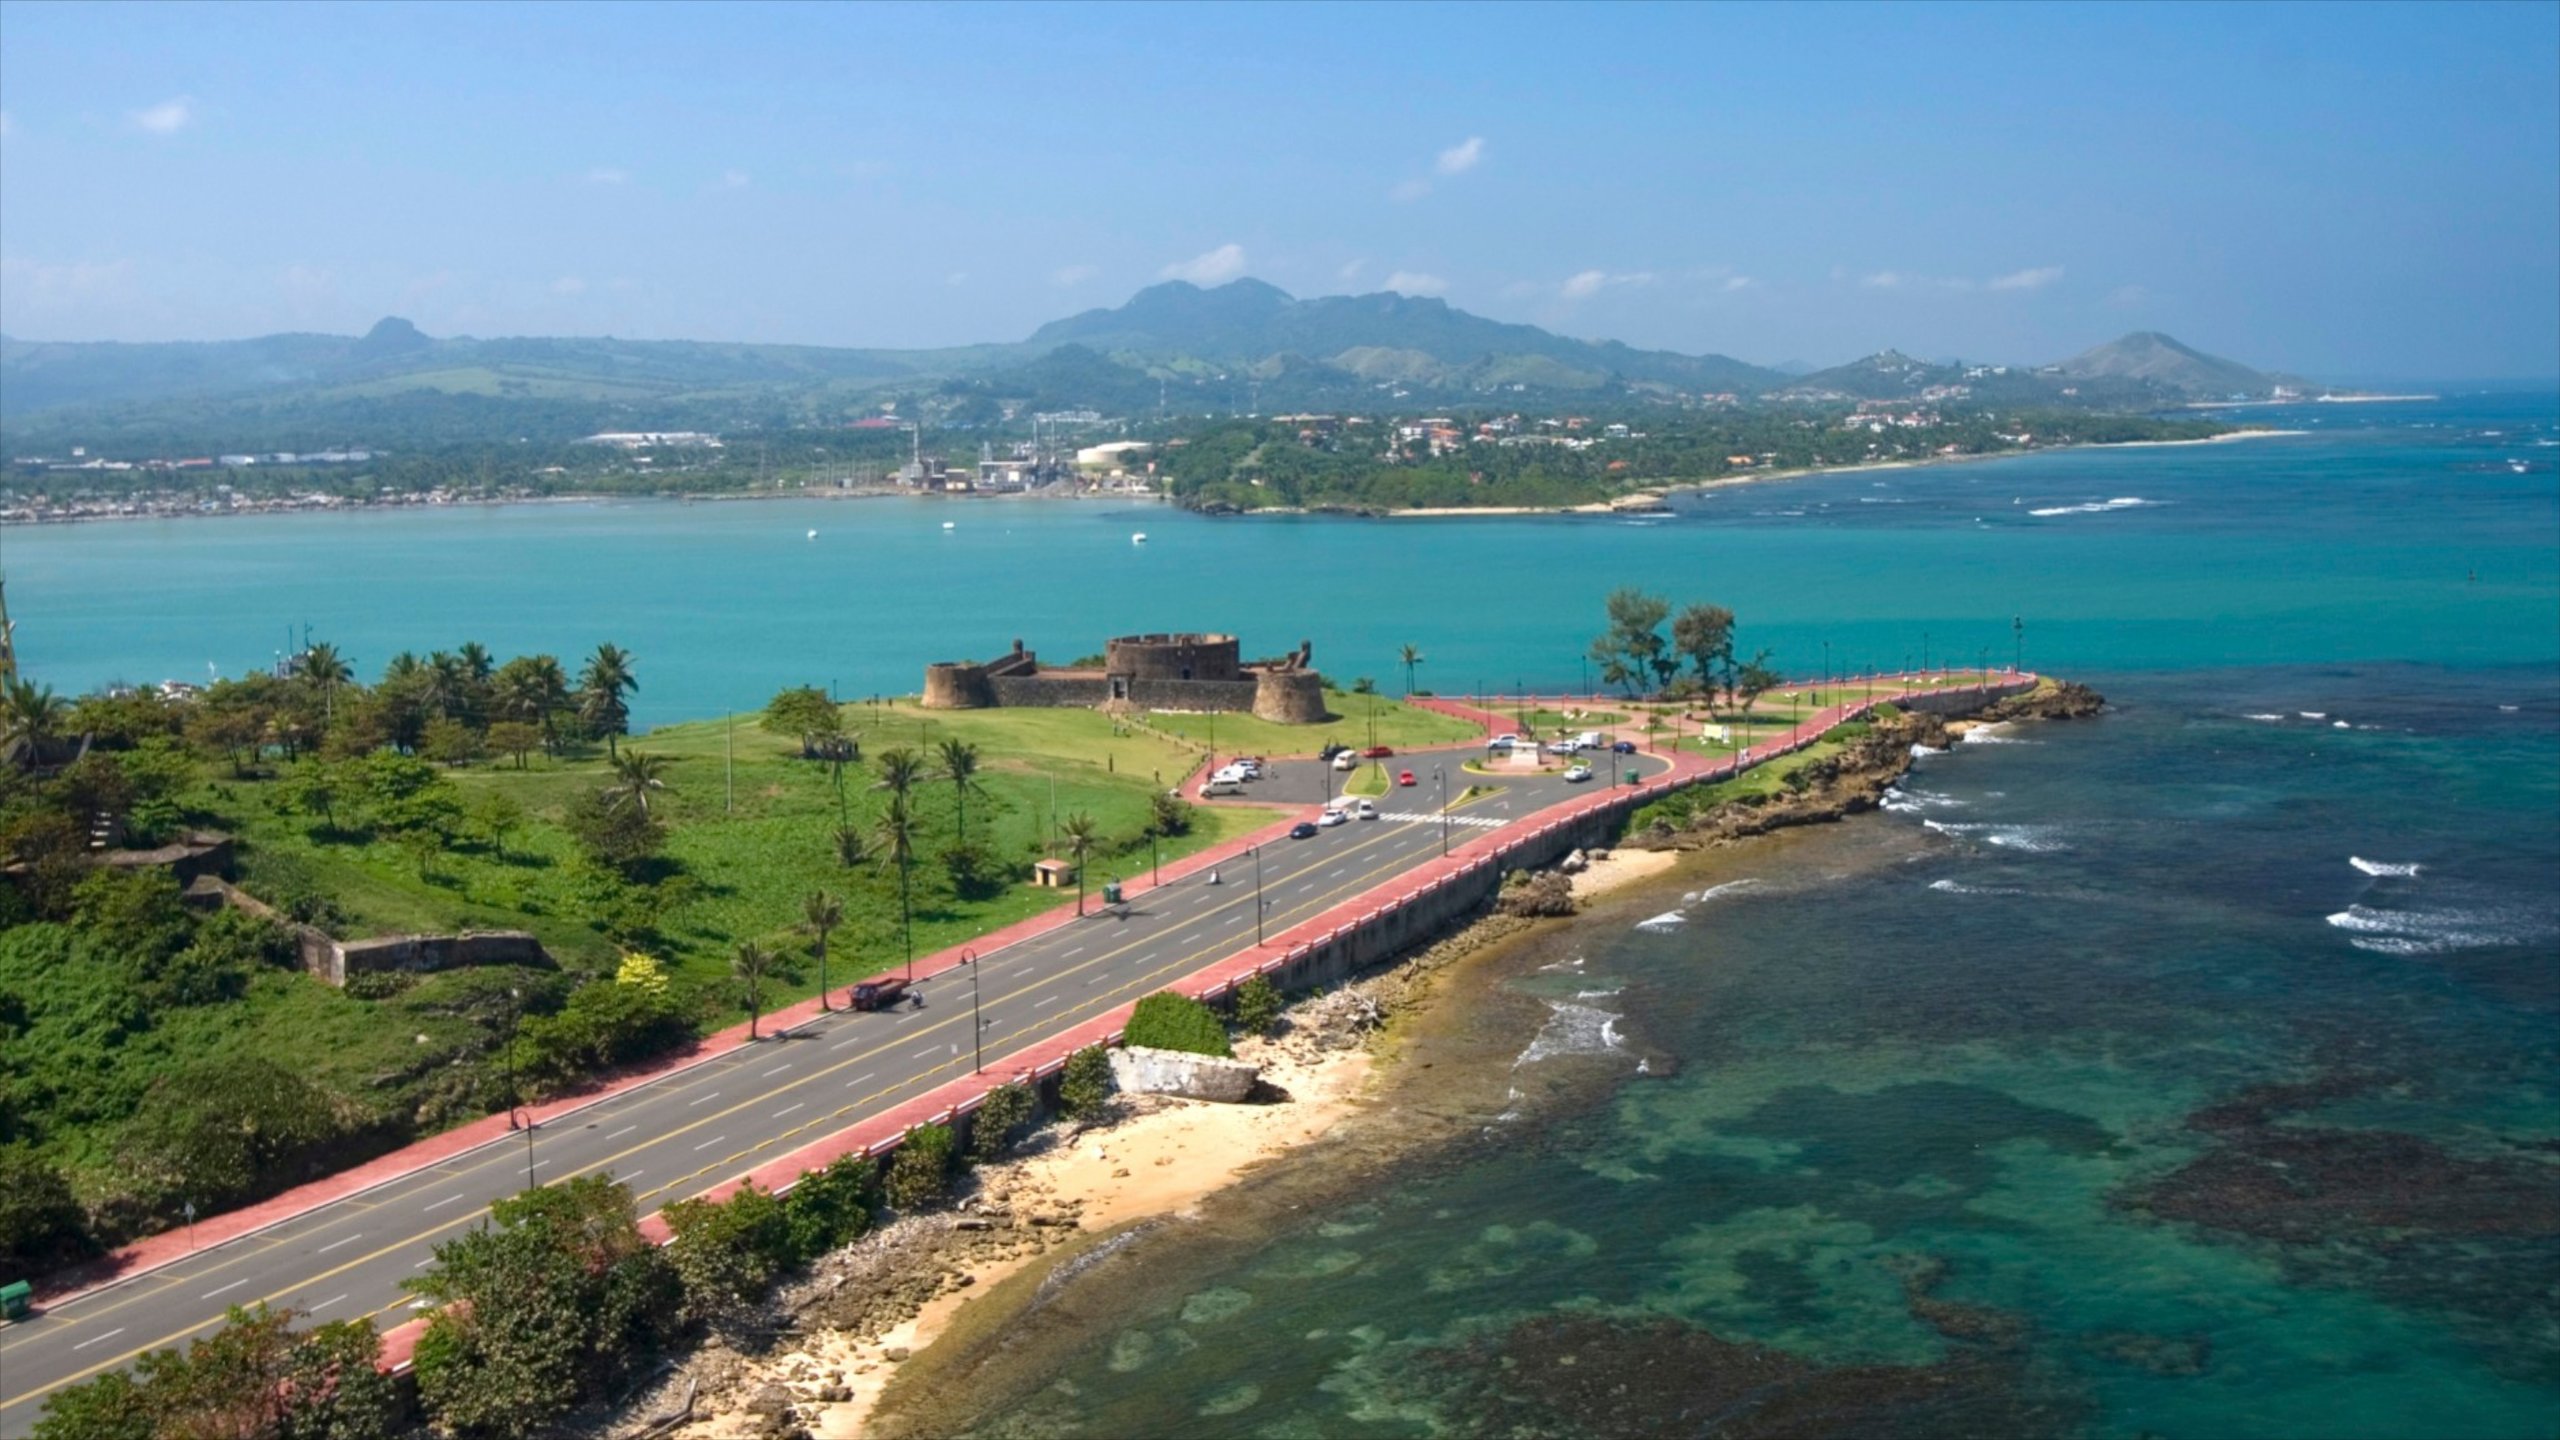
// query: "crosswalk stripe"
[[1485, 822]]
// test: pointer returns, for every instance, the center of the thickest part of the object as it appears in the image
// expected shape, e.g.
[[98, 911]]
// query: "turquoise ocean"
[[2192, 1071]]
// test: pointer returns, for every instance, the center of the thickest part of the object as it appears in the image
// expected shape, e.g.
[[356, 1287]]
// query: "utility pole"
[[977, 1025], [1257, 894], [1440, 777]]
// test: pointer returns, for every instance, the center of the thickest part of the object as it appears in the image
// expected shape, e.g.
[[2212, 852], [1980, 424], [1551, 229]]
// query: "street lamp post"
[[977, 1025], [515, 1016], [1257, 894], [1441, 779]]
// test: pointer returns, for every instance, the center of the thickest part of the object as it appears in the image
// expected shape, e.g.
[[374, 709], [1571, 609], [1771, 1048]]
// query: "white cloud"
[[8, 127], [1351, 269], [1415, 282], [1215, 267], [1073, 274], [1733, 283], [608, 175], [569, 285], [1522, 289], [1409, 190], [734, 180], [1587, 283], [1462, 157], [1885, 280], [2035, 279], [38, 290], [166, 118]]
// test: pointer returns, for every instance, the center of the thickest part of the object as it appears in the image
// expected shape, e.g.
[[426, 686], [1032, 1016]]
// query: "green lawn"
[[1367, 780], [750, 834], [1398, 724]]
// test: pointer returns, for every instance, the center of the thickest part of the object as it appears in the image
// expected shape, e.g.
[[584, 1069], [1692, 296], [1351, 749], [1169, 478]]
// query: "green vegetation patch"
[[1170, 1021]]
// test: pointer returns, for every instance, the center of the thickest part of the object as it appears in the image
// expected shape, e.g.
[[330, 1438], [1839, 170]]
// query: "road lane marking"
[[858, 1079], [776, 1070], [929, 1049], [334, 1244], [714, 1095], [1070, 955], [234, 1285], [618, 1134], [440, 1204], [634, 1175], [787, 1109], [94, 1339], [1044, 1000], [707, 1144], [848, 1040], [325, 1304]]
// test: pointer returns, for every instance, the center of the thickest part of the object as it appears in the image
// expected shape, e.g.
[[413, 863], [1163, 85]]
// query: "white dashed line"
[[714, 1140], [440, 1204], [334, 1244], [776, 1070], [778, 1114], [714, 1095], [94, 1339], [848, 1040], [634, 1175], [234, 1285], [325, 1304], [858, 1079], [625, 1130], [1045, 1000], [1070, 955], [928, 1050]]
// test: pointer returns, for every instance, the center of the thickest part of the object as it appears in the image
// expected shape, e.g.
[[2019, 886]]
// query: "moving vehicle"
[[1625, 747], [1223, 785], [1332, 816], [1364, 809], [1346, 760], [1377, 752], [1303, 830], [1578, 774], [1404, 777], [878, 994]]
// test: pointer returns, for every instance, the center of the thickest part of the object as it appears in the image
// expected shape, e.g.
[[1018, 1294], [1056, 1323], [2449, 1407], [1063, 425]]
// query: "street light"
[[515, 1017], [1257, 894], [1441, 779], [977, 1026]]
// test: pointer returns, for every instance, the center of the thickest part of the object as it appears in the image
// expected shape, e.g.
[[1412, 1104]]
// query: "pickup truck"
[[878, 994]]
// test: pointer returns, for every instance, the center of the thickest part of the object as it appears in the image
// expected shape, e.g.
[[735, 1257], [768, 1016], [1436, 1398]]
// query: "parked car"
[[1625, 747], [878, 994], [1578, 774], [1377, 752], [1303, 830], [1503, 742], [1228, 785], [1562, 747]]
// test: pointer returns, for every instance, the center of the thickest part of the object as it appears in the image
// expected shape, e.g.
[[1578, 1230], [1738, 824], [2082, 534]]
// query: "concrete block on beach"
[[1141, 1070]]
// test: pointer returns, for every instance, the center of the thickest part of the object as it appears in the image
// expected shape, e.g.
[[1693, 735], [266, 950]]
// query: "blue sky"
[[2367, 190]]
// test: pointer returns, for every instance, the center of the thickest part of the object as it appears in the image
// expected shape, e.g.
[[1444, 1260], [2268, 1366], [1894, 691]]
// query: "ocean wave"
[[1950, 887], [2312, 714], [1903, 800], [2035, 839], [1997, 734], [2266, 718], [2095, 507], [1573, 1030], [2433, 932], [1922, 751], [2381, 867], [1668, 920]]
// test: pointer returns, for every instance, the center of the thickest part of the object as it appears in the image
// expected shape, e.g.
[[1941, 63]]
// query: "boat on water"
[[950, 525], [813, 534], [1138, 539]]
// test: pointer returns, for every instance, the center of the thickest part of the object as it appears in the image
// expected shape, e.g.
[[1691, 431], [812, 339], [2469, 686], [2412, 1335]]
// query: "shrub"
[[920, 1169], [1084, 1087], [1846, 731], [1169, 814], [727, 1253], [1258, 1005], [1170, 1021], [1002, 1116], [621, 838], [254, 1376], [41, 1223], [602, 1025], [832, 1207]]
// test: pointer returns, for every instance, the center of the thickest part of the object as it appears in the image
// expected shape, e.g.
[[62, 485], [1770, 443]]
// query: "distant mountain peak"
[[389, 336], [2165, 361]]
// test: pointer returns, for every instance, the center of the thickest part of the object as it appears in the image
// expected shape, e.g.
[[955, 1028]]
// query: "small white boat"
[[813, 534], [948, 525], [1138, 539]]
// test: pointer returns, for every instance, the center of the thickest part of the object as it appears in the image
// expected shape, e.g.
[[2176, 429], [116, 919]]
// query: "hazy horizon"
[[2366, 191]]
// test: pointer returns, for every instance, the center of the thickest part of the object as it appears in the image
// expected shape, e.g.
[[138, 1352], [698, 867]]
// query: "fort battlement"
[[1172, 670]]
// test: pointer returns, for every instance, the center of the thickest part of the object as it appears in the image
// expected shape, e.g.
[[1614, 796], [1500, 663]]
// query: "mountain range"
[[1175, 345]]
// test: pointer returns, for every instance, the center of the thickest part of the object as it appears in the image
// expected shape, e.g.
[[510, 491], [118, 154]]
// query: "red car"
[[1405, 779], [1377, 752]]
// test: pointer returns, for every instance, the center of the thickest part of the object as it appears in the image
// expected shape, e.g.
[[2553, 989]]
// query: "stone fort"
[[1146, 672]]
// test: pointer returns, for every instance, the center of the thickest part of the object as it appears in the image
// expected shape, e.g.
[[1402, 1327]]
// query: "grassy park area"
[[1398, 724]]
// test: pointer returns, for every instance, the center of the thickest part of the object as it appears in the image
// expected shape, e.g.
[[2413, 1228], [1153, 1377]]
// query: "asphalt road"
[[693, 1129]]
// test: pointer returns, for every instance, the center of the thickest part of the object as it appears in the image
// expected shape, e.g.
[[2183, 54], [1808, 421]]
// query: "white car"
[[1502, 742], [1578, 774], [1364, 809], [1562, 747], [1331, 817], [1346, 761]]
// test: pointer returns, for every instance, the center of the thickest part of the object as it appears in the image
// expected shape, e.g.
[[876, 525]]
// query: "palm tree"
[[31, 716], [900, 771], [602, 684], [533, 689], [960, 767], [823, 912], [897, 841], [323, 666], [448, 685], [634, 776], [1408, 657], [1081, 833], [475, 661], [749, 965]]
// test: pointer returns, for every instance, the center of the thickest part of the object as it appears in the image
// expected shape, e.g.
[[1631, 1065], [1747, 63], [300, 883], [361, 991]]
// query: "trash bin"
[[16, 1298], [1111, 893]]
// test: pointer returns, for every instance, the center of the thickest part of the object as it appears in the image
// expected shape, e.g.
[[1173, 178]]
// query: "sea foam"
[[2095, 507], [1573, 1030], [2381, 867]]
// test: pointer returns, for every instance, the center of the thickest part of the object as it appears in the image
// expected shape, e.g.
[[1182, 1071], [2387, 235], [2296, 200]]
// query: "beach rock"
[[1143, 1070], [1527, 896], [895, 1354]]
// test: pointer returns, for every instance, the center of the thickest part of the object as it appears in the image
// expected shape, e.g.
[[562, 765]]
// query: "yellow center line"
[[762, 1098]]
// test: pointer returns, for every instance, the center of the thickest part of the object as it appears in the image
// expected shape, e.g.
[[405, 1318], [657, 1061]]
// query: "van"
[[1589, 740], [1223, 785], [1364, 809]]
